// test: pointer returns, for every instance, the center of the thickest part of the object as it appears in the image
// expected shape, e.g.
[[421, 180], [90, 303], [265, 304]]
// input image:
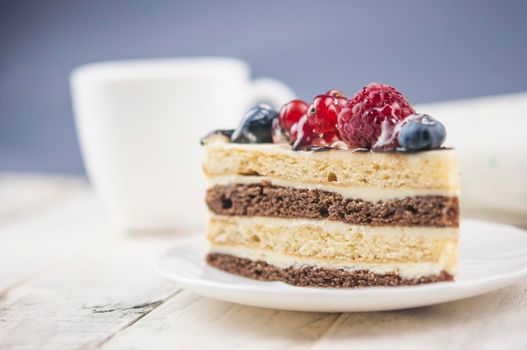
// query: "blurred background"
[[433, 51]]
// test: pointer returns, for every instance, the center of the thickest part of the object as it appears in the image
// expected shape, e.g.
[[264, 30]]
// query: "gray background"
[[430, 50]]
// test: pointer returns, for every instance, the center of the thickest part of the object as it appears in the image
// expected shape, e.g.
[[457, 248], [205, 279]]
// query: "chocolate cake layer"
[[264, 199], [314, 276]]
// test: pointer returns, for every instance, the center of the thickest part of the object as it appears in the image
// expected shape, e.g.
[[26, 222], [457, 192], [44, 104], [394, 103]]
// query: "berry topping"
[[302, 134], [255, 127], [339, 95], [369, 118], [323, 113], [223, 135], [291, 113], [330, 137], [335, 93], [420, 132], [278, 133]]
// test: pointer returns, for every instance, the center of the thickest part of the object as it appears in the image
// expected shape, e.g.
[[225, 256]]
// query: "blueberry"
[[421, 132], [256, 126]]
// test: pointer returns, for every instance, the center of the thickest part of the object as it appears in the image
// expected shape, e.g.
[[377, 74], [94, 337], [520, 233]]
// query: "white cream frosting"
[[405, 270], [364, 193], [281, 148]]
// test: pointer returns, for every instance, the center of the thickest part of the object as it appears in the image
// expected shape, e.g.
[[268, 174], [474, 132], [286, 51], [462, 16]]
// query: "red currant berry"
[[370, 117], [302, 133], [339, 95], [330, 137], [323, 113], [291, 113], [335, 93]]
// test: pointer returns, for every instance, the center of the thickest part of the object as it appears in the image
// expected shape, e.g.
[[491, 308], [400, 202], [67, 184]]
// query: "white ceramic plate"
[[492, 256]]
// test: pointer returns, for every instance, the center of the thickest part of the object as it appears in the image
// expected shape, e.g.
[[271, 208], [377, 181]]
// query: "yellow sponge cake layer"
[[432, 170]]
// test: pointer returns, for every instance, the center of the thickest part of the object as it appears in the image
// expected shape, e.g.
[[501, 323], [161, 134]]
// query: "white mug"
[[139, 125]]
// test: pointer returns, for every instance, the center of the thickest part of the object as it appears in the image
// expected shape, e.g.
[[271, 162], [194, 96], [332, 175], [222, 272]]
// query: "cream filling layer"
[[284, 148], [365, 193], [405, 270]]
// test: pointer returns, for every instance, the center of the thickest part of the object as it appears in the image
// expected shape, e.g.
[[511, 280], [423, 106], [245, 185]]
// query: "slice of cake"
[[348, 204]]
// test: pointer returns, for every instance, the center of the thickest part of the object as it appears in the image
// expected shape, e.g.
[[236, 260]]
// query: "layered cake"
[[337, 193]]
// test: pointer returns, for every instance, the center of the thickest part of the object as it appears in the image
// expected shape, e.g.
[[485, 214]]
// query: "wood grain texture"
[[23, 192], [84, 302], [190, 321], [26, 202], [491, 321], [67, 280], [46, 234]]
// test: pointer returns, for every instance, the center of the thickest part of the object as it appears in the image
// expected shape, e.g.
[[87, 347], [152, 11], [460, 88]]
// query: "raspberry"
[[323, 113], [370, 117]]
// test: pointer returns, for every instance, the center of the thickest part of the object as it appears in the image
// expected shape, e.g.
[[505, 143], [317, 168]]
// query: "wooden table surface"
[[68, 282]]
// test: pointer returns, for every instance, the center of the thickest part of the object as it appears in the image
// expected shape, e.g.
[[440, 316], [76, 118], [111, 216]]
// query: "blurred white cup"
[[139, 125]]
